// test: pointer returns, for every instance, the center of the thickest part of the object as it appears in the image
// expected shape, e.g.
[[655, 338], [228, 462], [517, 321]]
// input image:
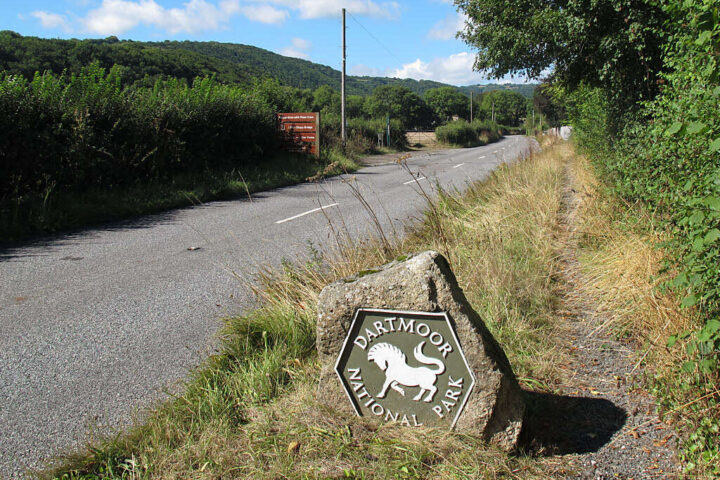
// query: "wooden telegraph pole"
[[343, 134], [471, 106]]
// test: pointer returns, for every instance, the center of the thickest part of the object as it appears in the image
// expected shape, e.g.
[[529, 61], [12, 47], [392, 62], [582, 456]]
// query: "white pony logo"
[[393, 362]]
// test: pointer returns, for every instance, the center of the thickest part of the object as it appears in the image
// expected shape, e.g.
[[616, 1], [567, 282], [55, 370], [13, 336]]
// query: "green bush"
[[465, 134], [487, 130], [77, 131], [668, 158], [458, 132], [362, 133]]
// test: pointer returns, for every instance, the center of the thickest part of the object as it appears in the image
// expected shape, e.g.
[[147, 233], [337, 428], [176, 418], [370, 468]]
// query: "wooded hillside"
[[144, 62]]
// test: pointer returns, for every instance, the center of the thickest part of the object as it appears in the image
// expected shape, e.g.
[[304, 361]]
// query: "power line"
[[375, 38]]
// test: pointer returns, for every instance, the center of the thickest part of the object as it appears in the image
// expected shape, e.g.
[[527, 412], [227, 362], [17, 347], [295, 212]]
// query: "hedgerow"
[[77, 131], [668, 158]]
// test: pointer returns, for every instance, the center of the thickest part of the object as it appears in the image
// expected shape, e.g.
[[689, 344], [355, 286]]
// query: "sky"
[[403, 39]]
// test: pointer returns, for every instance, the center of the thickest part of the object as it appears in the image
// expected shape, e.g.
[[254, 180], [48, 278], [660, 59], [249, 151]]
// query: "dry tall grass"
[[622, 258]]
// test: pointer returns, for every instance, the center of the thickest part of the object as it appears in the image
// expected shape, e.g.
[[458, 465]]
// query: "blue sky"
[[405, 39]]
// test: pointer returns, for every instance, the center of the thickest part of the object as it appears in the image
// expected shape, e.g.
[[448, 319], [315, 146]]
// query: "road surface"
[[96, 324]]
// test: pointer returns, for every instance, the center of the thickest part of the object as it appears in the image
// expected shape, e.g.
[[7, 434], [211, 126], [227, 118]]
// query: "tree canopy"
[[447, 102], [614, 44], [400, 103], [509, 107]]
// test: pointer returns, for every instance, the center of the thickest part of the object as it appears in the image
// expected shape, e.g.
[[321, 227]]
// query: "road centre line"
[[306, 213], [459, 165], [414, 180], [480, 158]]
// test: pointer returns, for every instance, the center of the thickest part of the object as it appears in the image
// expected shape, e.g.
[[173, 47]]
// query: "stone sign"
[[407, 367], [401, 343]]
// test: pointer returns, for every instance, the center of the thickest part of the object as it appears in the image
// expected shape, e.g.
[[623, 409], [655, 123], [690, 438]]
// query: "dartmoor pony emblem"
[[391, 360]]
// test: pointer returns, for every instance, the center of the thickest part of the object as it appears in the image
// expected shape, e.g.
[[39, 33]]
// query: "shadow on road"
[[561, 424], [19, 250]]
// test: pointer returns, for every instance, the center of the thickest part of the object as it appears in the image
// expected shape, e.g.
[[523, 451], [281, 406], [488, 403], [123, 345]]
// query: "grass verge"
[[622, 255], [249, 412], [59, 211]]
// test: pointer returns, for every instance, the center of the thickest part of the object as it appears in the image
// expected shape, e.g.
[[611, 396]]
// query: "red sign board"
[[299, 132]]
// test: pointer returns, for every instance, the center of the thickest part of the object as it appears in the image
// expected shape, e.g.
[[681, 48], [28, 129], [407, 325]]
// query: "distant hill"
[[230, 63], [524, 89]]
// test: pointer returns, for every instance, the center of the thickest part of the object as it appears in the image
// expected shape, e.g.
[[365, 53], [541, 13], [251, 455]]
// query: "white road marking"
[[459, 165], [306, 213], [480, 158], [414, 180], [494, 151]]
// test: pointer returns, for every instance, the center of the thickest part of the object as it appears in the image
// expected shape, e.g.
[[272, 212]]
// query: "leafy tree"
[[509, 107], [614, 44], [326, 100], [549, 102], [447, 102], [400, 103], [355, 106]]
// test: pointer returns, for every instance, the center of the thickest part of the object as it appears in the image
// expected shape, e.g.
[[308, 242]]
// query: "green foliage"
[[281, 98], [551, 103], [355, 106], [466, 134], [326, 100], [447, 102], [144, 62], [507, 106], [400, 103], [77, 132], [524, 89], [459, 132], [669, 159], [362, 133], [672, 163], [614, 44]]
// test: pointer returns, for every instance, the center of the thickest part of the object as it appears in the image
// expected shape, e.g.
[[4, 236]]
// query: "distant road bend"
[[96, 324]]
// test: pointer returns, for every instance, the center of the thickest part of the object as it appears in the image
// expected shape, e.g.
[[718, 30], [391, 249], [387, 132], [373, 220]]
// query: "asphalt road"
[[96, 324]]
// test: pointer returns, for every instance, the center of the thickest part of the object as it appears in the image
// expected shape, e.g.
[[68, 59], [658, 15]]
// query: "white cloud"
[[298, 49], [309, 9], [448, 27], [118, 16], [361, 70], [457, 69], [52, 20], [264, 13], [113, 17]]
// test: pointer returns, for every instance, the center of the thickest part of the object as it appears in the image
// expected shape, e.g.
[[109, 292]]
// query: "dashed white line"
[[414, 180], [459, 165], [306, 213], [480, 158]]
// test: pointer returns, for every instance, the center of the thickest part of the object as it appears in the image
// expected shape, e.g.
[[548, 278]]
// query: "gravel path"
[[638, 445]]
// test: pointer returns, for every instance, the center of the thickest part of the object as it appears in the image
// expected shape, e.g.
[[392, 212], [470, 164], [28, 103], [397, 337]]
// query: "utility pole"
[[343, 134], [470, 106], [533, 122], [493, 111]]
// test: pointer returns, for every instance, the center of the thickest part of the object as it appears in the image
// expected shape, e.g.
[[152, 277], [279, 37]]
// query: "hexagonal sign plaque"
[[407, 367]]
